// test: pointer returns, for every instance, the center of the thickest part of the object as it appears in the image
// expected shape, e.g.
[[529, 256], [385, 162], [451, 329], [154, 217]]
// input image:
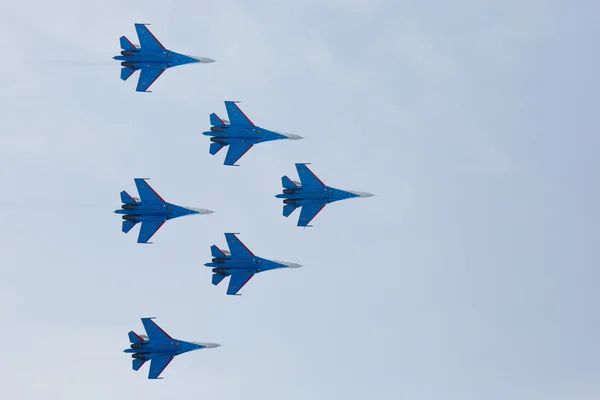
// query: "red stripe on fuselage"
[[161, 329], [241, 155], [140, 366], [313, 174], [156, 230], [166, 365], [154, 80], [154, 191], [247, 249], [129, 41], [244, 284], [157, 41], [313, 217], [240, 110]]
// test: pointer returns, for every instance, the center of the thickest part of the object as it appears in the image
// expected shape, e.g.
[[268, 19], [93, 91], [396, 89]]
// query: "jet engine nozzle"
[[290, 201], [139, 356]]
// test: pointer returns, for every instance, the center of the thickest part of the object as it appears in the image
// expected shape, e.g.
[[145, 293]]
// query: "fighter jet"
[[158, 346], [151, 57], [240, 134], [311, 194], [152, 211], [239, 263]]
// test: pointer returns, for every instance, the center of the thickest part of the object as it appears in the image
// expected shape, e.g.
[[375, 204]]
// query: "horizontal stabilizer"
[[126, 72], [214, 148], [126, 43], [288, 209], [215, 120], [137, 364], [135, 338], [217, 278], [287, 183], [126, 198], [216, 252], [127, 225]]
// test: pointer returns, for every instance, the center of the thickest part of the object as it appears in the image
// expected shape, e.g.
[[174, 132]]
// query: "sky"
[[472, 274]]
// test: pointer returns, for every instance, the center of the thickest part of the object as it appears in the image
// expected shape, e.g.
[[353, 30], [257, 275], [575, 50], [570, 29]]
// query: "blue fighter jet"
[[151, 57], [239, 133], [152, 211], [158, 346], [239, 263], [311, 194]]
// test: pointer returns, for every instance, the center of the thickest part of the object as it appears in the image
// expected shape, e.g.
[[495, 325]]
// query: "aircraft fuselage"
[[229, 134]]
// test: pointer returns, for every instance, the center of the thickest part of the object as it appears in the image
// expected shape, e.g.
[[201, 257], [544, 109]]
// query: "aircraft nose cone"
[[205, 60], [292, 136], [362, 194], [292, 265], [200, 210], [209, 345]]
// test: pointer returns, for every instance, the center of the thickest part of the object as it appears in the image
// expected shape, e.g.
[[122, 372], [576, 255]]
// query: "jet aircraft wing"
[[309, 212], [148, 228], [148, 75], [237, 116], [237, 281], [155, 332], [235, 152], [307, 177], [147, 40], [158, 365], [147, 194], [236, 247]]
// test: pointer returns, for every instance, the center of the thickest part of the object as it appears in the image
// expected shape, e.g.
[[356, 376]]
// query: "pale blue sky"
[[472, 274]]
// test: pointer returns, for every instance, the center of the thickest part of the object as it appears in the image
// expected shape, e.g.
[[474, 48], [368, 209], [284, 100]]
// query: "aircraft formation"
[[239, 134]]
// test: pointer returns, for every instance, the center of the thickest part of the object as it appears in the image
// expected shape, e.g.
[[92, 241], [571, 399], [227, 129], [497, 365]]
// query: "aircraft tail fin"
[[135, 338], [126, 198], [137, 364], [215, 147], [126, 72], [215, 120], [217, 278], [126, 43], [127, 225], [216, 252], [288, 209], [287, 183]]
